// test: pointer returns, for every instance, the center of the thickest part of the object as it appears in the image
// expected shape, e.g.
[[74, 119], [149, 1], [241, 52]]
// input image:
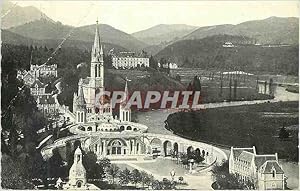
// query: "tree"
[[221, 84], [196, 84], [230, 84], [167, 184], [178, 78], [105, 163], [156, 185], [283, 133], [271, 86], [56, 166], [234, 89], [226, 181], [124, 176], [180, 179], [136, 177], [145, 179], [113, 171], [12, 174], [94, 170], [152, 62]]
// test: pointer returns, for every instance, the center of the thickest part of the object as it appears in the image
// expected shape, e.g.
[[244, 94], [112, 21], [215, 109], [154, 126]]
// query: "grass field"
[[243, 126]]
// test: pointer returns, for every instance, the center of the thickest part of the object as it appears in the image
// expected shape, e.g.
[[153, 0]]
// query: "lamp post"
[[191, 162], [172, 173]]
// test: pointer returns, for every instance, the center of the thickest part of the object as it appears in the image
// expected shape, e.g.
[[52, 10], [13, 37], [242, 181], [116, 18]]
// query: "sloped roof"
[[80, 101], [38, 83], [27, 74], [261, 159], [246, 156], [268, 166], [238, 151]]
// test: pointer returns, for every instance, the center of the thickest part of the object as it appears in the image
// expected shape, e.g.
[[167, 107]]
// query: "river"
[[155, 121]]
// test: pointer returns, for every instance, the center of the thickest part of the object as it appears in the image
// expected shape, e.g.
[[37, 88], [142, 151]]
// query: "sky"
[[133, 16]]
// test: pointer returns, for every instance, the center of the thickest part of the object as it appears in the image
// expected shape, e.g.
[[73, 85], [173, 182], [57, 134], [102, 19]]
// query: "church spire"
[[126, 91], [80, 99], [126, 94], [97, 52]]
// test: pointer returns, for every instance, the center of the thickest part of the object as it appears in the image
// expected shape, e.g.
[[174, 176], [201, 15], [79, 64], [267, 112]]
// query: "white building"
[[44, 70], [128, 60], [263, 170], [228, 45], [168, 65], [37, 88], [46, 104]]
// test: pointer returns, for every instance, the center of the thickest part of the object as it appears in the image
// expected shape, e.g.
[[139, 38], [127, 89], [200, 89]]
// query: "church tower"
[[80, 107], [77, 173], [97, 68], [125, 113]]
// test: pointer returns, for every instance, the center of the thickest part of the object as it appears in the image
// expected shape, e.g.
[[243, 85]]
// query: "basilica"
[[111, 135]]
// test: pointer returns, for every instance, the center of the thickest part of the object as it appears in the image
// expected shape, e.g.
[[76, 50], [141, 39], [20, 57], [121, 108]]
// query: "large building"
[[128, 60], [263, 170], [44, 70], [93, 113]]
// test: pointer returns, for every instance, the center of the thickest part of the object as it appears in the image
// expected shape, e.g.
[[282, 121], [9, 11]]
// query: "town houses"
[[33, 79], [263, 171]]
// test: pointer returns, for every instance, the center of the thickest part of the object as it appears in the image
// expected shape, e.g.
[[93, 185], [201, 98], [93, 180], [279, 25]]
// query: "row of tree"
[[139, 178]]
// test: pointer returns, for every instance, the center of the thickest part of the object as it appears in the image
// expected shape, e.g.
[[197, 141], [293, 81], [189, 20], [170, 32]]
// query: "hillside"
[[273, 30], [163, 33], [45, 30], [8, 37], [208, 53], [16, 15]]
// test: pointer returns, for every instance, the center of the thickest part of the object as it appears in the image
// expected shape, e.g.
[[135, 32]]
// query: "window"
[[273, 173]]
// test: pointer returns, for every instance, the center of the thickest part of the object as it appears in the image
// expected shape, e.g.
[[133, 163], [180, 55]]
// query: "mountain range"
[[44, 29], [273, 30], [14, 15], [25, 25], [16, 39], [163, 33]]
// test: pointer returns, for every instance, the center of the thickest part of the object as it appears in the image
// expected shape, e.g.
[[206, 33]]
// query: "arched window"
[[128, 128], [96, 71]]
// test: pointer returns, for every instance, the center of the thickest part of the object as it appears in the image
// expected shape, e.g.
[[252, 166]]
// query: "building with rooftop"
[[263, 170], [128, 60]]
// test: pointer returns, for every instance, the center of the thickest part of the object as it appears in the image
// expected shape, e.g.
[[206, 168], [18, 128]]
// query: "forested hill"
[[46, 30], [209, 53], [9, 37], [273, 30]]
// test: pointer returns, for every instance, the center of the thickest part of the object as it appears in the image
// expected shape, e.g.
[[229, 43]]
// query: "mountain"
[[15, 15], [163, 33], [209, 53], [115, 36], [46, 30], [9, 37], [273, 30]]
